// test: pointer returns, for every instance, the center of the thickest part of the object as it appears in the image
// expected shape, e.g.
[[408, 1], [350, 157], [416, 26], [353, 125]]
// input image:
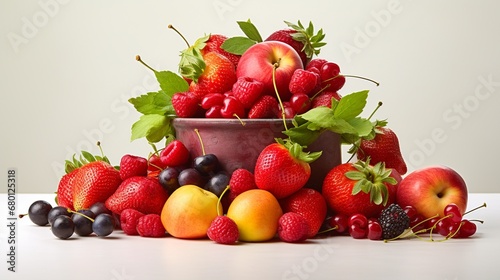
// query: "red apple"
[[258, 61], [430, 189]]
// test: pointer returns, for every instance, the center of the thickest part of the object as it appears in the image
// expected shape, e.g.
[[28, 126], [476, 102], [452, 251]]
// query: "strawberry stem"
[[177, 31], [138, 58]]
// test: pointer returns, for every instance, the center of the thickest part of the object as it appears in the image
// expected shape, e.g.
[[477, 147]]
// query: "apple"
[[256, 213], [189, 211], [259, 60], [429, 190]]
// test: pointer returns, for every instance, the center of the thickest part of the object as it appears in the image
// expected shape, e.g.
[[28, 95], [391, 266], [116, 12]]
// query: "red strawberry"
[[241, 180], [223, 230], [247, 90], [144, 194], [64, 190], [300, 38], [383, 148], [150, 225], [283, 168], [308, 203], [214, 43], [186, 104], [175, 154], [218, 76], [359, 188], [304, 82], [131, 165], [128, 221], [94, 182], [293, 227], [265, 107], [325, 99]]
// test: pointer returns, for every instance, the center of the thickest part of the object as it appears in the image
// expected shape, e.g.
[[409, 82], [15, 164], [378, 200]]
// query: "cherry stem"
[[100, 148], [177, 31], [220, 199], [201, 141], [481, 206], [375, 110], [241, 121], [138, 58], [22, 215], [283, 116], [328, 230], [81, 214]]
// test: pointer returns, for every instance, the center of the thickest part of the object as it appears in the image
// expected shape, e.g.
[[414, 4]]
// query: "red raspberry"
[[128, 221], [186, 104], [150, 225], [292, 227], [241, 180], [175, 154], [303, 81], [131, 166], [316, 63], [223, 230], [265, 107], [247, 91], [325, 99]]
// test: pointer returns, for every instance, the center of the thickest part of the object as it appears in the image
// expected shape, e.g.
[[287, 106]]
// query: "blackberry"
[[393, 221]]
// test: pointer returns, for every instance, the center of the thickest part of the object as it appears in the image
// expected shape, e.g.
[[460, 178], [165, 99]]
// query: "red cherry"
[[329, 70], [232, 108], [374, 230], [410, 211], [443, 227], [340, 222], [155, 163], [289, 112], [357, 232], [358, 219], [300, 103], [453, 212], [211, 100], [468, 229], [214, 112]]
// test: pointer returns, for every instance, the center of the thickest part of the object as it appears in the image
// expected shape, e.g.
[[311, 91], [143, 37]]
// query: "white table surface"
[[40, 255]]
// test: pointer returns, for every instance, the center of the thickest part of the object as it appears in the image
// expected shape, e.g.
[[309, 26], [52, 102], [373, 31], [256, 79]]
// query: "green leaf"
[[322, 116], [302, 134], [171, 83], [351, 105], [154, 127], [152, 103], [88, 156], [362, 126], [250, 30], [237, 45]]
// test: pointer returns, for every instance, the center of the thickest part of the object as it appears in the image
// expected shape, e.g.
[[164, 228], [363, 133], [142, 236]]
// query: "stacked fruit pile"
[[172, 192]]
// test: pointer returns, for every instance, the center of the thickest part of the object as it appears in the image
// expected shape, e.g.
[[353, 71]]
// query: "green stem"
[[283, 116]]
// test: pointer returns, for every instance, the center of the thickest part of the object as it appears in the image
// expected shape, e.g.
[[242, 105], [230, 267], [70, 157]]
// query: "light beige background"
[[67, 69]]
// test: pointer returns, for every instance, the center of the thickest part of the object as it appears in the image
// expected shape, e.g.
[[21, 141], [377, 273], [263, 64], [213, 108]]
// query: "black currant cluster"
[[204, 172], [65, 222]]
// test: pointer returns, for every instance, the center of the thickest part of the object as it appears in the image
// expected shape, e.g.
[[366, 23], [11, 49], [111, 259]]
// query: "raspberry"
[[265, 107], [241, 180], [393, 221], [293, 227], [316, 63], [223, 230], [303, 81], [128, 221], [175, 154], [150, 226], [247, 90], [185, 104], [133, 166]]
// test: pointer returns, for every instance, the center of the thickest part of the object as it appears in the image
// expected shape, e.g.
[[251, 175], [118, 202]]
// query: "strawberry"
[[218, 76], [186, 104], [131, 165], [247, 90], [383, 148], [128, 221], [359, 188], [150, 225], [265, 107], [308, 203], [144, 194], [293, 227], [214, 43], [94, 182], [303, 81], [241, 180], [302, 39], [175, 154], [325, 99], [282, 168], [64, 190], [223, 230]]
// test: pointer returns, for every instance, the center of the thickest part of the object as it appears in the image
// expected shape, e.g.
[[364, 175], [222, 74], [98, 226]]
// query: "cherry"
[[155, 163], [467, 229], [443, 227], [232, 108], [453, 212], [358, 224], [212, 99], [214, 112], [374, 230], [339, 222], [357, 232], [358, 219], [300, 103], [289, 112], [410, 211]]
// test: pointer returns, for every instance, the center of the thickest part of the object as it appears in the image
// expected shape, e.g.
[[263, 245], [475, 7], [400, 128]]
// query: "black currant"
[[63, 227], [99, 208], [103, 225], [169, 179], [56, 212], [206, 164], [83, 224], [191, 176], [39, 211], [217, 183]]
